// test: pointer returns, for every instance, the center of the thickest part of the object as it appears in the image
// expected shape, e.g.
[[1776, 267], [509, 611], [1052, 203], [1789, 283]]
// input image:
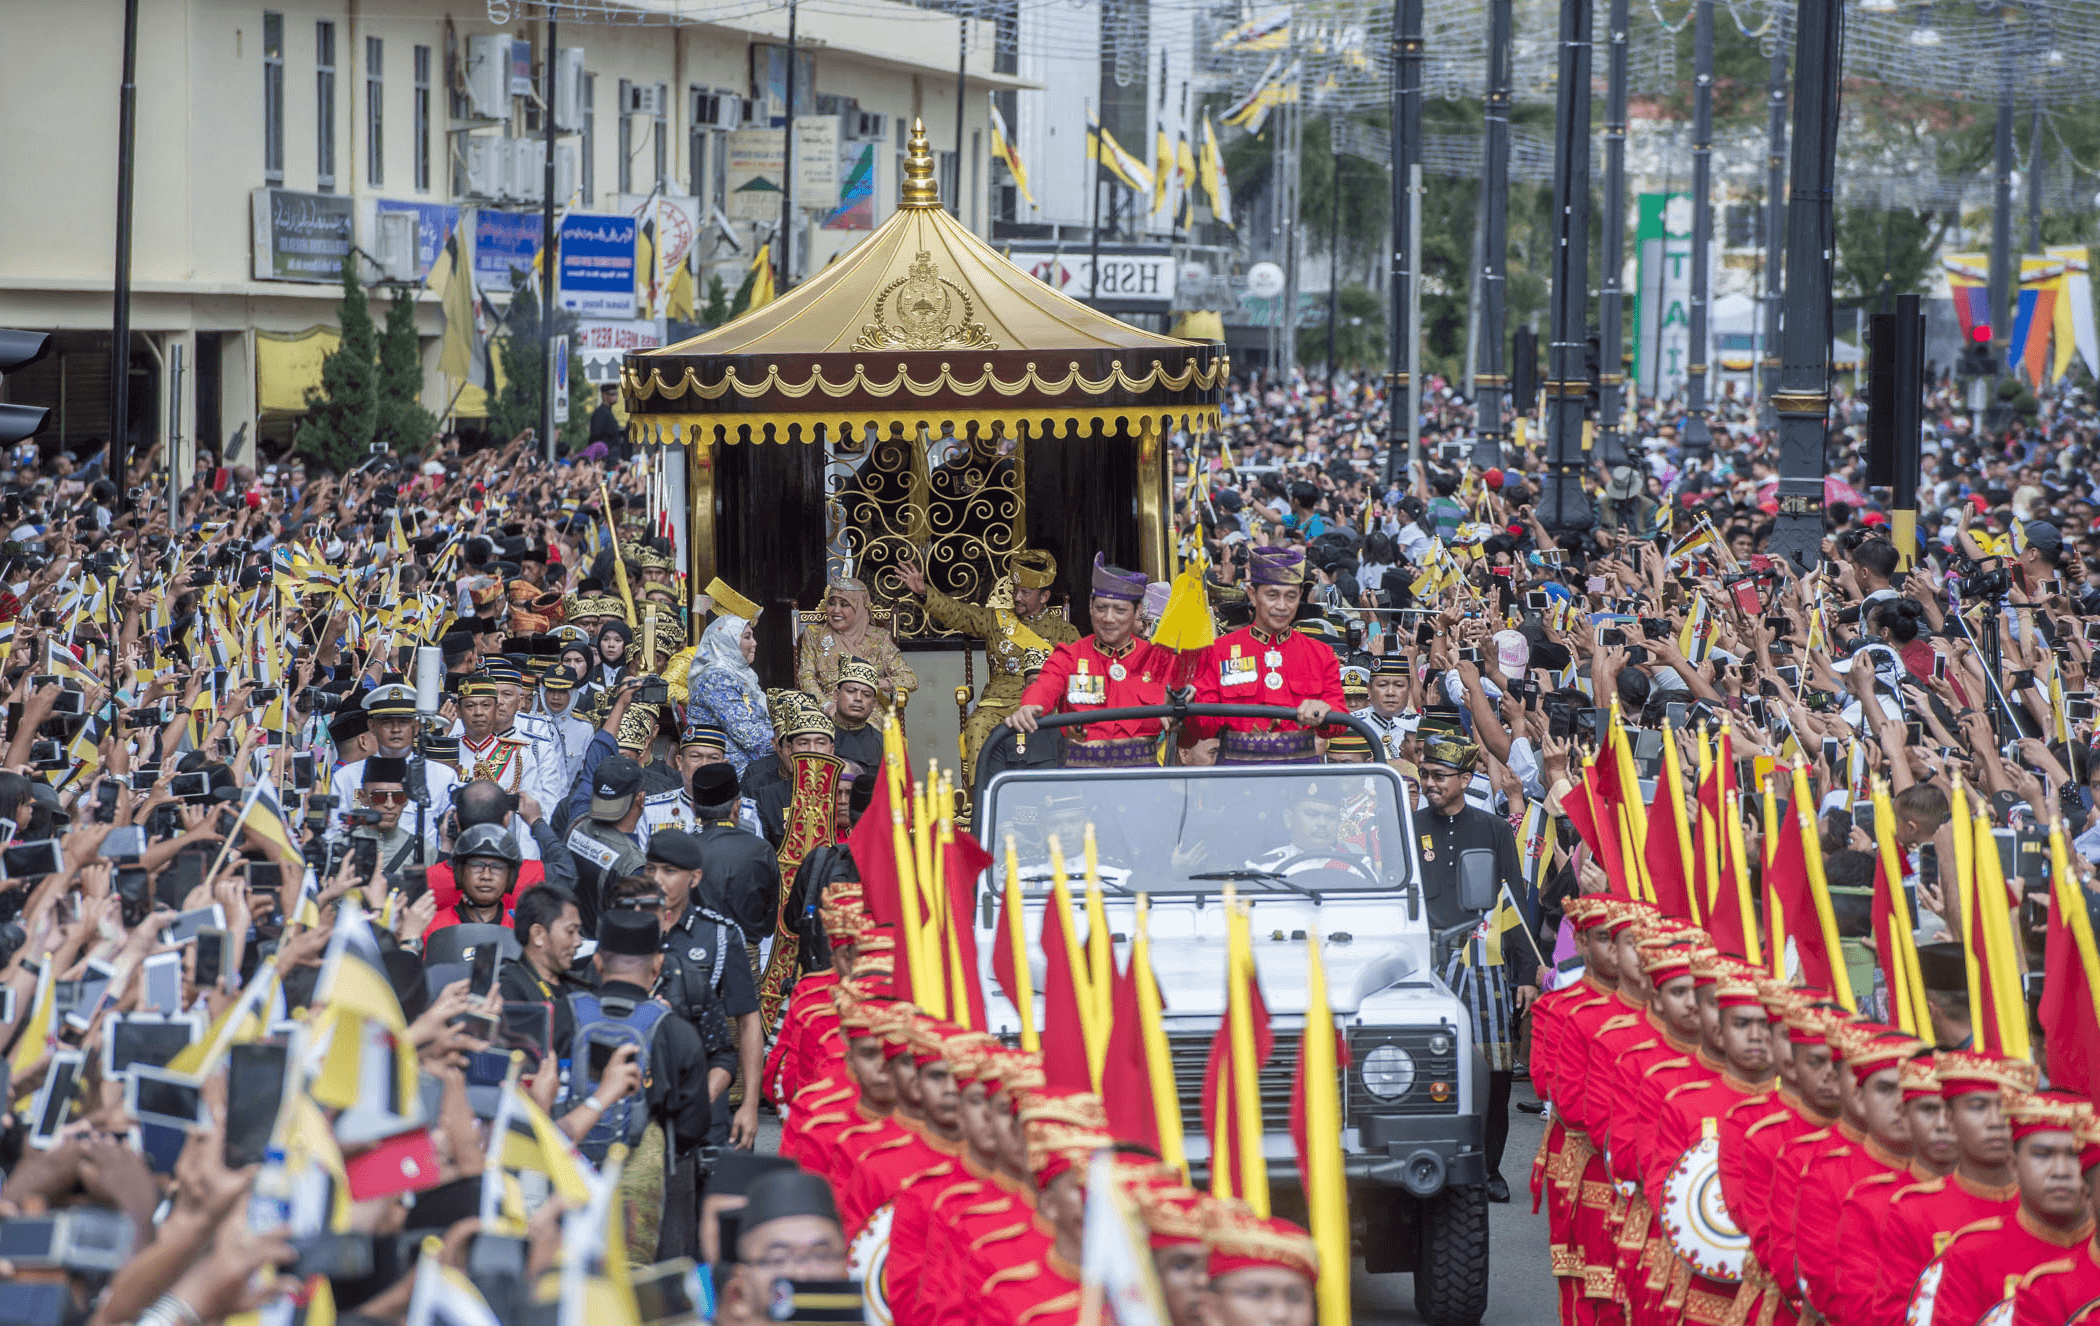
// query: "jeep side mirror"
[[1476, 879]]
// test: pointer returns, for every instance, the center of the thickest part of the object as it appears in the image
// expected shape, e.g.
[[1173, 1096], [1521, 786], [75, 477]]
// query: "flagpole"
[[1093, 270], [550, 273], [787, 168]]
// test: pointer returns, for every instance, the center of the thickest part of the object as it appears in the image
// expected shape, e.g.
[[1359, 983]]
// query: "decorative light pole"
[[1698, 438], [1802, 399], [1563, 505], [1407, 152], [1488, 379], [1775, 225], [1611, 295]]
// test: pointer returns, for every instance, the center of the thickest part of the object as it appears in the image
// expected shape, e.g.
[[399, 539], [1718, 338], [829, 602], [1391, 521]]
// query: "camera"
[[1981, 581], [103, 564], [315, 701], [653, 690], [264, 695]]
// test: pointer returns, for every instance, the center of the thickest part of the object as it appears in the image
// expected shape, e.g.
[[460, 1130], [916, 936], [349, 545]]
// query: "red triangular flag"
[[1217, 1093], [963, 861], [1664, 855], [1064, 1034], [873, 844], [2070, 1021], [1787, 877], [1341, 1063], [1126, 1077], [1592, 808]]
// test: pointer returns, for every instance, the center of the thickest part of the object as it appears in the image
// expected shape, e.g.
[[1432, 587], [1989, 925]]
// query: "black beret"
[[675, 847], [629, 932]]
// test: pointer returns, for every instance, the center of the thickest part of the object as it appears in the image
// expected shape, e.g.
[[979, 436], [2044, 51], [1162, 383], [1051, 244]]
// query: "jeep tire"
[[1451, 1273]]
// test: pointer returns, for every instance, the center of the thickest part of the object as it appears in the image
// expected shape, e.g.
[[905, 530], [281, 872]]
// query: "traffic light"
[[1978, 359], [19, 349]]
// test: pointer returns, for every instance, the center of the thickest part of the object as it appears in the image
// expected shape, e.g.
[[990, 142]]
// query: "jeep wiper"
[[1047, 878], [1265, 876]]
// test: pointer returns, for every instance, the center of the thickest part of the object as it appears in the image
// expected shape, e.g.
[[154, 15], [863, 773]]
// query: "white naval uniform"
[[675, 810], [1391, 730], [568, 737], [438, 780], [539, 772]]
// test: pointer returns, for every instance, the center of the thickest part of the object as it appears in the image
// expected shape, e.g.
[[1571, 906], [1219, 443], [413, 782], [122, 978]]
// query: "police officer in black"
[[740, 871], [707, 977], [1497, 993], [630, 962]]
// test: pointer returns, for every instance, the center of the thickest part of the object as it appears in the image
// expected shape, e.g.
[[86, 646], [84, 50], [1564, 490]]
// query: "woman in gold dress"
[[849, 631]]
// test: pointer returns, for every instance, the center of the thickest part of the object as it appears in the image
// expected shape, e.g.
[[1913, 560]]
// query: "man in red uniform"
[[1110, 669], [971, 1061], [1689, 1124], [1757, 1129], [810, 1007], [1262, 1271], [831, 1106], [1627, 1042], [967, 1228], [1269, 663], [1984, 1261], [1863, 1216], [1872, 1137], [1923, 1216], [1177, 1219], [1583, 1099], [2054, 1292], [1037, 1280], [1821, 1077], [929, 1127], [1563, 1151], [1665, 1062]]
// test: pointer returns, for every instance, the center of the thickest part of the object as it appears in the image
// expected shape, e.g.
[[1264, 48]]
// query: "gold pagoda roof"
[[921, 322]]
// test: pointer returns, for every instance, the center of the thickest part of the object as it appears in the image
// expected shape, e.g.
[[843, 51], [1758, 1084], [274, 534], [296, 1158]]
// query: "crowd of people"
[[413, 894]]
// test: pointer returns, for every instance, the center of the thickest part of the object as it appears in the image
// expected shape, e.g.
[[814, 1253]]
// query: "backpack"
[[615, 1022]]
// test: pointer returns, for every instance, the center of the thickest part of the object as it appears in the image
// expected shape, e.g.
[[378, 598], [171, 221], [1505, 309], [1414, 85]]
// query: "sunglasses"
[[396, 797]]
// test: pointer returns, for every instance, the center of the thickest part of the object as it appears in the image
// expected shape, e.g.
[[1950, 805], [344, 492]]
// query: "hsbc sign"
[[1133, 279]]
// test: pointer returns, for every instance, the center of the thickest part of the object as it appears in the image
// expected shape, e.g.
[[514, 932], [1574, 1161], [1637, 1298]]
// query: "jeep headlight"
[[1388, 1072]]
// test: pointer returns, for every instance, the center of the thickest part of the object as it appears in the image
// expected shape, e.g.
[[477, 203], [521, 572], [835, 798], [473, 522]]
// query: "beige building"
[[273, 137]]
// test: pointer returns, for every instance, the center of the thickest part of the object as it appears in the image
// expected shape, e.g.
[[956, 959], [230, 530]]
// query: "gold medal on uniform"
[[1116, 671], [1274, 681], [1274, 658], [1428, 852]]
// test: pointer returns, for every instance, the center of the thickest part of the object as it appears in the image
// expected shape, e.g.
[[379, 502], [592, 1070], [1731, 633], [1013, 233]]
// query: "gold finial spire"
[[920, 187]]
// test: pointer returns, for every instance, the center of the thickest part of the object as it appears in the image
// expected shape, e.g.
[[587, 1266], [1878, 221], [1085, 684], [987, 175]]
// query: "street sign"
[[597, 265], [1127, 278], [1265, 280], [560, 351]]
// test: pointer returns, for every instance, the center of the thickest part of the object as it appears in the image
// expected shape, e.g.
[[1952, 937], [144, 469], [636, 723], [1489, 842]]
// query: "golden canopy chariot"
[[921, 397]]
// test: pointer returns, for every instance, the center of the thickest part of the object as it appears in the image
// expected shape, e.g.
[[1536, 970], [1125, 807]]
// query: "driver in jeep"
[[1314, 857]]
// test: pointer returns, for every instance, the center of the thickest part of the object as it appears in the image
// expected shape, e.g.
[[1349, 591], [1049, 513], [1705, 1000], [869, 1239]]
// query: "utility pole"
[[1611, 293], [1334, 246], [1407, 153], [550, 270], [1564, 508], [120, 321], [786, 238], [1698, 437], [2003, 278], [1802, 398], [962, 63], [1488, 379], [2034, 183], [1775, 227]]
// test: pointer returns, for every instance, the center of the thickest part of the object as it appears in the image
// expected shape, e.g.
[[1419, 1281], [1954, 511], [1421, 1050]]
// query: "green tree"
[[1894, 249], [402, 421], [518, 348], [342, 414], [1359, 338], [738, 305], [715, 311]]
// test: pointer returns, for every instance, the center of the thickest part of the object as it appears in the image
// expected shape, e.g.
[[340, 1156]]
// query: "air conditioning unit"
[[488, 165], [528, 169], [645, 99], [568, 90], [867, 126], [567, 178], [396, 246], [717, 108], [488, 76]]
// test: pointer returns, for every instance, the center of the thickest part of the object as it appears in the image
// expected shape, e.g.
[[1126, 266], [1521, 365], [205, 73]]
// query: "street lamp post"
[[120, 322], [1698, 437], [1775, 225], [550, 270], [1564, 508], [1611, 294], [1407, 152], [1802, 400], [1489, 381]]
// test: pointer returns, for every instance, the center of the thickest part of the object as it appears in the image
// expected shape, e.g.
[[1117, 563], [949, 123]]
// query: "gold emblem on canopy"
[[922, 325]]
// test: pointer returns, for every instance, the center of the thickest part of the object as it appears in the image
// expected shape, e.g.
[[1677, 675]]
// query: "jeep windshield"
[[1282, 828]]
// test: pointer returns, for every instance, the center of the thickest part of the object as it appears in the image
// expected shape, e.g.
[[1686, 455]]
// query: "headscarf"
[[626, 634], [721, 653], [856, 593]]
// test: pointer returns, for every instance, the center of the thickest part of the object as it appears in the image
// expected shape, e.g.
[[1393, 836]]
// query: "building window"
[[590, 138], [375, 112], [660, 129], [422, 131], [714, 113], [324, 106], [626, 136], [273, 98]]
